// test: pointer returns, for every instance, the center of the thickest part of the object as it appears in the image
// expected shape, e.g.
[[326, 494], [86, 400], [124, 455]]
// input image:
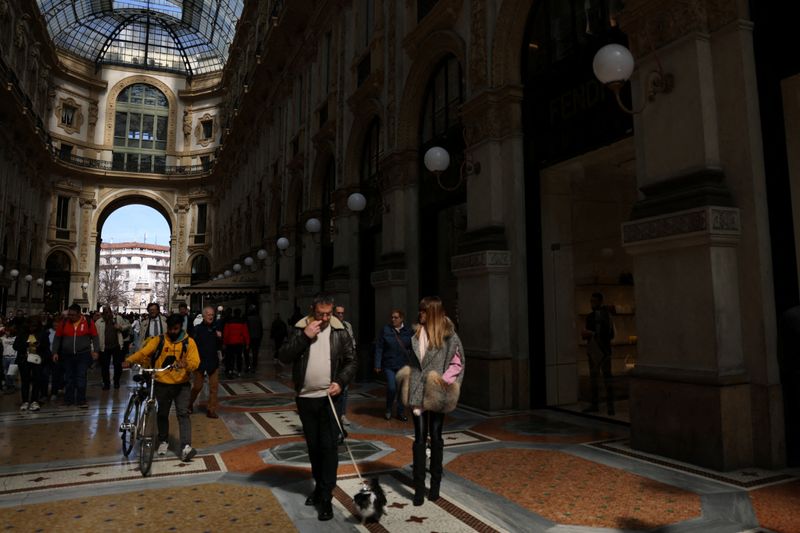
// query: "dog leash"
[[347, 447]]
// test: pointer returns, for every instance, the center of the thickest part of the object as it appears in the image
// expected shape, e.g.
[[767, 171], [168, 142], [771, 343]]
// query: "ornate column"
[[87, 243], [705, 389], [490, 265]]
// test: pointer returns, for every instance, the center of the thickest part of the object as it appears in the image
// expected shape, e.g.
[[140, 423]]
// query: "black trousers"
[[111, 355], [166, 394], [255, 347], [600, 363], [321, 433], [428, 423], [233, 357]]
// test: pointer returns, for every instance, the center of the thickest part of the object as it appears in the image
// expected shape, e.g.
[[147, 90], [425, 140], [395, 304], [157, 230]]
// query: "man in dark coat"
[[598, 332], [209, 346], [323, 362]]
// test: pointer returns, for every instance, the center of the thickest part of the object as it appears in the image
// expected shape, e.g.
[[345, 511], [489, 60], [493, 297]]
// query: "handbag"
[[13, 370], [34, 358]]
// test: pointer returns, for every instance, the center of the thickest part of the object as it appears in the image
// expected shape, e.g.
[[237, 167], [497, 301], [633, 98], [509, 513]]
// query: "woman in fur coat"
[[430, 386]]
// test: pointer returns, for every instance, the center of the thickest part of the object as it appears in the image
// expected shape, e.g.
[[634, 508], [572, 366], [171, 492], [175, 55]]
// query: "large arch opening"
[[134, 256], [580, 187]]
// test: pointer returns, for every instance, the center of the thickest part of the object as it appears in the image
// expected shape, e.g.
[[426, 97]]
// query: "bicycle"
[[139, 422]]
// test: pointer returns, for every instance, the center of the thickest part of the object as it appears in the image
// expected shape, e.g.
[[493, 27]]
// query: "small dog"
[[370, 502]]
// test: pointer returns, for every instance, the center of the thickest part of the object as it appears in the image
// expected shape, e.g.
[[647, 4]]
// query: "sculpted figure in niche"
[[187, 123], [92, 114]]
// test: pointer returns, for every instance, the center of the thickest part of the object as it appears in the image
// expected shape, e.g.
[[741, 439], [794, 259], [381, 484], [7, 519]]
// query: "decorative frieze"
[[481, 262], [388, 277], [716, 223]]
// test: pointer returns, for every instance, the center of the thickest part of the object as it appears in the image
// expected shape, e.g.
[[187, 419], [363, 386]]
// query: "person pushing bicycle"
[[174, 348]]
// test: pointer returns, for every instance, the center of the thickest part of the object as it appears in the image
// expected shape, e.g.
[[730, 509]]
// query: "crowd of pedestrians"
[[47, 356]]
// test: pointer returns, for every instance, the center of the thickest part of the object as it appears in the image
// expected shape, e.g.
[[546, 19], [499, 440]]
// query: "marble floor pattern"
[[540, 471]]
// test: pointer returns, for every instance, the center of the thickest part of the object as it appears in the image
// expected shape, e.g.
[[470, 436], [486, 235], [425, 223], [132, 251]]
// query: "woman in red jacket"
[[236, 344]]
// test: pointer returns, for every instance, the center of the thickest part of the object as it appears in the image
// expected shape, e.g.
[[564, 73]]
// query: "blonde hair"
[[437, 325]]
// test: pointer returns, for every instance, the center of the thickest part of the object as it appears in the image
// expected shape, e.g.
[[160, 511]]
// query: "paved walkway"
[[61, 469]]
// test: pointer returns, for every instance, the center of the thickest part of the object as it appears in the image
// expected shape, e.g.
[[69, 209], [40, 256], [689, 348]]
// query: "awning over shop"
[[242, 284]]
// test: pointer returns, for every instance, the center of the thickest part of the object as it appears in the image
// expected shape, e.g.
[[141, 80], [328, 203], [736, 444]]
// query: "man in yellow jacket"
[[177, 349]]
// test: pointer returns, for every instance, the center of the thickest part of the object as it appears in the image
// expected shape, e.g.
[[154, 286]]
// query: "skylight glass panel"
[[189, 36]]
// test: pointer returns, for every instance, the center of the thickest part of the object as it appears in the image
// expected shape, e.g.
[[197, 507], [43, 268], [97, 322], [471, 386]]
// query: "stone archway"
[[161, 201], [512, 19]]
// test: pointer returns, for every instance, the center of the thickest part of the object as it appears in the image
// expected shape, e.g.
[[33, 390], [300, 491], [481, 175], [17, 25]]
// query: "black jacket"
[[208, 344], [343, 358]]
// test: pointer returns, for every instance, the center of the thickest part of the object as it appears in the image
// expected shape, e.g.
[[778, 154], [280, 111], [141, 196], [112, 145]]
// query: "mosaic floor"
[[62, 469]]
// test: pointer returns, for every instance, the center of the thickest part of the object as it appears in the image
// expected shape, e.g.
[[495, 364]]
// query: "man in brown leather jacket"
[[323, 363]]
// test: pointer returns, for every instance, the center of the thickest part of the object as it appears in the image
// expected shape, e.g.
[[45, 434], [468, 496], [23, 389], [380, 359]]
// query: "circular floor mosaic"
[[296, 453], [268, 401]]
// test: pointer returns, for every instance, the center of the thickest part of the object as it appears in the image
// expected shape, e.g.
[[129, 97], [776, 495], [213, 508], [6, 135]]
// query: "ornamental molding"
[[711, 224], [77, 120], [652, 24], [388, 277], [493, 115], [481, 262], [198, 130]]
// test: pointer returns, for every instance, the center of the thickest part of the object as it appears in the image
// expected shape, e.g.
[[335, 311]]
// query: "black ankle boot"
[[437, 454], [419, 473]]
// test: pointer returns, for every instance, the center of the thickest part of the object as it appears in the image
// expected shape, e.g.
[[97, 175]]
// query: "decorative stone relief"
[[77, 119], [714, 221], [481, 261], [651, 24], [477, 45]]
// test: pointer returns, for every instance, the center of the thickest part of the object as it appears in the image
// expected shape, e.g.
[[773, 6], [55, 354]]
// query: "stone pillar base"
[[488, 382], [707, 424]]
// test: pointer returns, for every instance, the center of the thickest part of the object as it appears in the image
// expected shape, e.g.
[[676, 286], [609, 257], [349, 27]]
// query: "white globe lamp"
[[313, 225], [39, 281], [48, 283], [237, 267], [228, 273], [248, 261], [283, 244], [437, 159], [613, 64], [14, 273], [28, 278], [356, 202], [261, 254]]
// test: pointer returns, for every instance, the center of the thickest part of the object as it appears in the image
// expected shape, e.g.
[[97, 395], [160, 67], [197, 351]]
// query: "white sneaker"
[[345, 420], [24, 406], [34, 406], [187, 453], [163, 448]]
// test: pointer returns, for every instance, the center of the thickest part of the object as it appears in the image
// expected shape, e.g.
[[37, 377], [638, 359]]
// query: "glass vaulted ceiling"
[[186, 36]]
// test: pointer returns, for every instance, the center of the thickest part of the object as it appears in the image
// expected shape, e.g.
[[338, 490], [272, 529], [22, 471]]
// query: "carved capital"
[[483, 262], [493, 115]]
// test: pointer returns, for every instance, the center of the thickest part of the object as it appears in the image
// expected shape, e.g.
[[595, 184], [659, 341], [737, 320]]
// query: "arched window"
[[140, 129], [444, 96], [201, 269]]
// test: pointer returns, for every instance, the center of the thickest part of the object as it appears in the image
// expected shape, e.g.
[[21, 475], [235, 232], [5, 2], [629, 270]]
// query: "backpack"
[[160, 348]]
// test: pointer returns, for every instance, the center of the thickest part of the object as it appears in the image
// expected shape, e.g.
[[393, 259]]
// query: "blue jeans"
[[391, 391], [75, 369]]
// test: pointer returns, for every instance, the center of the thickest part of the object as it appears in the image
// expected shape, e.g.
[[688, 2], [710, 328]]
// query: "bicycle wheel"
[[129, 424], [147, 446]]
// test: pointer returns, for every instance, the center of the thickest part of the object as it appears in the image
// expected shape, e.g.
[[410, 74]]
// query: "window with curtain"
[[140, 129]]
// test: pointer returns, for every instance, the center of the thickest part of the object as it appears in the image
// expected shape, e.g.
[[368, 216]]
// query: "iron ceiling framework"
[[185, 36]]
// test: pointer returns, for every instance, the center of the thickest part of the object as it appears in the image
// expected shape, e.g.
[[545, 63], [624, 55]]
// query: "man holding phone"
[[323, 363]]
